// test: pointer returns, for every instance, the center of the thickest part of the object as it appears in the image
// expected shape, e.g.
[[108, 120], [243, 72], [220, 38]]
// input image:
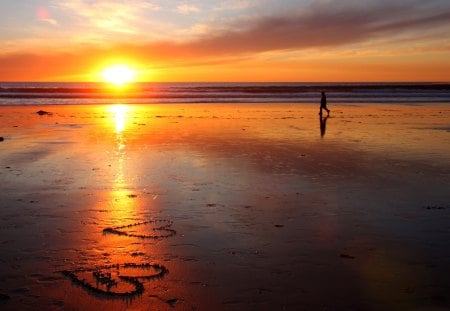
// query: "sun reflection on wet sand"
[[119, 121], [122, 198], [120, 114]]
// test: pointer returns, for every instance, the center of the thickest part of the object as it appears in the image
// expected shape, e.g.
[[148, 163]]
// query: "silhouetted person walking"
[[323, 104]]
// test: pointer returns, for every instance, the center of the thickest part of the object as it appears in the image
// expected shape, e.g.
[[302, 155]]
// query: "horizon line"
[[317, 82]]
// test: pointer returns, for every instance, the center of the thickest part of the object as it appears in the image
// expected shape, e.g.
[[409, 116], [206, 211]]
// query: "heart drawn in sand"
[[119, 280], [161, 226]]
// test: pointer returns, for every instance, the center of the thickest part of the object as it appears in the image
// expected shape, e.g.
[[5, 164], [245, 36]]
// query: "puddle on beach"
[[224, 207]]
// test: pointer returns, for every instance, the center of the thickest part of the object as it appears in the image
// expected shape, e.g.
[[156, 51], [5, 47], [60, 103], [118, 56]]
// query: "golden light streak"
[[120, 114]]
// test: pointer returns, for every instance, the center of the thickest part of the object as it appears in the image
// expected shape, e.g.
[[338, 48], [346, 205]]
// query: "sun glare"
[[118, 75]]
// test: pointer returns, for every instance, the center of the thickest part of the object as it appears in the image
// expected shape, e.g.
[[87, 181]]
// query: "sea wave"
[[24, 93]]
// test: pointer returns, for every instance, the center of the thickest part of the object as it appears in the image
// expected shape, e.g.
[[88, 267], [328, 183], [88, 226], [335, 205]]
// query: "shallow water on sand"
[[224, 207]]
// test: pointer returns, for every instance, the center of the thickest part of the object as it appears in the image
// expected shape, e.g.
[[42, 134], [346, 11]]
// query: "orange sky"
[[260, 40]]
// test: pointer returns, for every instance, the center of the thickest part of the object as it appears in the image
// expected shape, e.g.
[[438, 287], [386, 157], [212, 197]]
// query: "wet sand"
[[225, 207]]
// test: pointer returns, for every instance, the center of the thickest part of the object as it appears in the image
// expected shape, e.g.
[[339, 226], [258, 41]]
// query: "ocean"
[[57, 93]]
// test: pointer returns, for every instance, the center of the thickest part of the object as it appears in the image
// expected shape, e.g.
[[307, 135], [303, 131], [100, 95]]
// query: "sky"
[[218, 40]]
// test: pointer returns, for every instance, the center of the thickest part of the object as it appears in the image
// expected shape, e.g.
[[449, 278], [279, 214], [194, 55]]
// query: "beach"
[[225, 207]]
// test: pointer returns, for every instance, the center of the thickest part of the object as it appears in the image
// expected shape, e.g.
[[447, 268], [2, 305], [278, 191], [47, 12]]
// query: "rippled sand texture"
[[225, 207]]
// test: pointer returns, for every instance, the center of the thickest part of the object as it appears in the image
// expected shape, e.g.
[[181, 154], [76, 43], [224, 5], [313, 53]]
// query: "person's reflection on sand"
[[323, 125]]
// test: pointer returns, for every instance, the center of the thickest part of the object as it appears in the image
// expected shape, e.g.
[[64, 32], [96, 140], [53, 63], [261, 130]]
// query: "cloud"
[[111, 16], [187, 8], [43, 15], [237, 5], [323, 25]]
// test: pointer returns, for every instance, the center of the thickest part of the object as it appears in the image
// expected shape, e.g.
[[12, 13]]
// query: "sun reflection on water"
[[120, 117], [121, 198]]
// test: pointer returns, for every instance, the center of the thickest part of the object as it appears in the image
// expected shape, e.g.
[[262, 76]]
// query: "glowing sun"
[[118, 75]]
